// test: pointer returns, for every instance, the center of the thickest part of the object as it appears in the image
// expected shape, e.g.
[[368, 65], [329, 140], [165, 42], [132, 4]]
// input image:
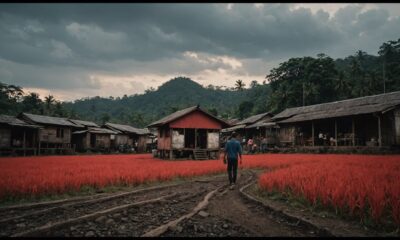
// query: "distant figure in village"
[[264, 143], [250, 143], [320, 138], [233, 152]]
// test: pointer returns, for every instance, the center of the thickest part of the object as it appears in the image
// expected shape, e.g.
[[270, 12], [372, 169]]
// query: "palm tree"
[[49, 100], [239, 85]]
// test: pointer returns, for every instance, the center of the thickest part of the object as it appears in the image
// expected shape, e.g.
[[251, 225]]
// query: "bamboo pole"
[[336, 133], [379, 131], [312, 133], [24, 143], [353, 130]]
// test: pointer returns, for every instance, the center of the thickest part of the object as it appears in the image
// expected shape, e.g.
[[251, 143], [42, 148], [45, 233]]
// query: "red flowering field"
[[360, 183]]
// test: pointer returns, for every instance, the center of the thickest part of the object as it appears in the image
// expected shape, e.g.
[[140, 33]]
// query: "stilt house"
[[54, 135], [191, 132], [91, 136], [128, 136], [365, 121], [17, 136]]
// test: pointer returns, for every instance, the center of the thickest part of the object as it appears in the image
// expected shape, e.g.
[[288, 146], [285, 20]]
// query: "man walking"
[[233, 151]]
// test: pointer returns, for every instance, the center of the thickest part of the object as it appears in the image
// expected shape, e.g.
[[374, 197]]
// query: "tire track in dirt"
[[24, 224], [229, 215]]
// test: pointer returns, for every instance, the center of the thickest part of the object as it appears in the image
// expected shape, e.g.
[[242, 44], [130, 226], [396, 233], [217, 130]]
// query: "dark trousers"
[[232, 169]]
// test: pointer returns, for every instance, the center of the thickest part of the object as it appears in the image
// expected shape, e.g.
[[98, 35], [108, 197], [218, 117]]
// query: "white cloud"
[[60, 50], [98, 40]]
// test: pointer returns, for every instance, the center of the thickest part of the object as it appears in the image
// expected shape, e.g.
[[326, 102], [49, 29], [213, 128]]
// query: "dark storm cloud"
[[152, 38]]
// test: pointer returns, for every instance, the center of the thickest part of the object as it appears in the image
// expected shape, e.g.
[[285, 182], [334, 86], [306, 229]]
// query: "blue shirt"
[[232, 148]]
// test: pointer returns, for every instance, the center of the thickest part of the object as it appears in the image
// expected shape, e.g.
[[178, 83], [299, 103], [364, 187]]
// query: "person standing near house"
[[264, 143], [250, 144], [233, 152]]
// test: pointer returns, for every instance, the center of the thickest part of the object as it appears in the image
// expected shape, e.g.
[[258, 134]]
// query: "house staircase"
[[200, 154]]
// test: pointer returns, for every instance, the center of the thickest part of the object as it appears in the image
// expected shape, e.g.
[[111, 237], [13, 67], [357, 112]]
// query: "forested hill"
[[142, 109]]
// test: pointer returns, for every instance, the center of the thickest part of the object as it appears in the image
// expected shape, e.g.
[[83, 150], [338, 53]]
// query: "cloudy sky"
[[78, 50]]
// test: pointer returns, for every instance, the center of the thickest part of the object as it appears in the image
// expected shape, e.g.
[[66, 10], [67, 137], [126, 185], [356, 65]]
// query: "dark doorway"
[[201, 138], [92, 140], [189, 138]]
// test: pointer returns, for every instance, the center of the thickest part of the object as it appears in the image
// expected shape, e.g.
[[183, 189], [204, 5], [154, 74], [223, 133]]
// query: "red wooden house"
[[191, 132]]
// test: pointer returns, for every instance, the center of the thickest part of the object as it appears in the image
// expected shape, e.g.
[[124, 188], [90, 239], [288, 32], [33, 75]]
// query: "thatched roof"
[[96, 131], [349, 107], [183, 112], [47, 120], [127, 129], [84, 123], [14, 121], [254, 118]]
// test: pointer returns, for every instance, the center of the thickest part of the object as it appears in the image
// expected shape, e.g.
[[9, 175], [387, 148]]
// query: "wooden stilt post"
[[195, 138], [335, 132], [312, 133], [353, 131], [24, 143], [379, 131]]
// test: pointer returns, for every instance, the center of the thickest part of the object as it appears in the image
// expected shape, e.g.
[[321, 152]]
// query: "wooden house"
[[365, 121], [54, 135], [90, 136], [17, 136], [188, 132], [256, 126], [129, 137]]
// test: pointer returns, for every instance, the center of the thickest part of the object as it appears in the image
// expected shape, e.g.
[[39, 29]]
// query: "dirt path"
[[193, 208]]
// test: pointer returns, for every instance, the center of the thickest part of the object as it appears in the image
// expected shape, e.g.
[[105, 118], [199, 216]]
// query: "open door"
[[201, 138]]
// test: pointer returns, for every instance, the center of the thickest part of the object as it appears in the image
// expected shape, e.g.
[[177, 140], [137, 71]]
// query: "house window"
[[60, 133]]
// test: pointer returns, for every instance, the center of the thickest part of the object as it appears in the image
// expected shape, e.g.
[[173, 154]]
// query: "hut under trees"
[[17, 136], [128, 138], [54, 136], [91, 137], [190, 132]]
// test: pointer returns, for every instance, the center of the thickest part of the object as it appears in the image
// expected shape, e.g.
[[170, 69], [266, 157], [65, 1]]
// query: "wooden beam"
[[24, 142], [195, 138], [379, 131], [312, 133], [353, 131], [335, 132], [184, 137]]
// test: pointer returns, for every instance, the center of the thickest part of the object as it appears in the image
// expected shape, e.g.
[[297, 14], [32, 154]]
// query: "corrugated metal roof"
[[266, 123], [102, 131], [14, 121], [127, 128], [182, 113], [47, 120], [253, 119], [233, 128], [97, 131], [350, 107], [84, 123]]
